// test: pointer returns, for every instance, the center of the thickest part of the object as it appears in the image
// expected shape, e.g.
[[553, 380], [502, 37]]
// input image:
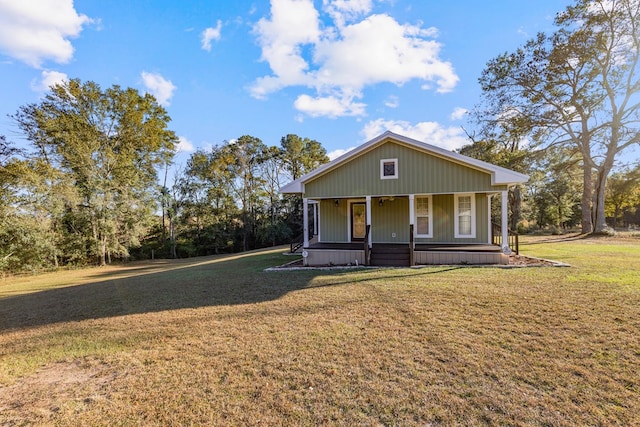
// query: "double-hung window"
[[424, 218], [465, 216]]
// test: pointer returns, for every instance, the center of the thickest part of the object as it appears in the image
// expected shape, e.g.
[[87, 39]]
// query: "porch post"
[[305, 221], [315, 218], [318, 221], [489, 224], [368, 199], [412, 212], [505, 222]]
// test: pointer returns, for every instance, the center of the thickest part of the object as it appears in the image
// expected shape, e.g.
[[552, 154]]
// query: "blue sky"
[[337, 71]]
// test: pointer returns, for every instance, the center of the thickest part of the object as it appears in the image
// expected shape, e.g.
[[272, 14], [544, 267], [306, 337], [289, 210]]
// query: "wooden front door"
[[358, 221]]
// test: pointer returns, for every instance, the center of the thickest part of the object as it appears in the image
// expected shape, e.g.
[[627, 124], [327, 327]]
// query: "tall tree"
[[109, 143], [301, 155], [577, 87], [272, 229], [209, 208], [244, 158], [298, 156]]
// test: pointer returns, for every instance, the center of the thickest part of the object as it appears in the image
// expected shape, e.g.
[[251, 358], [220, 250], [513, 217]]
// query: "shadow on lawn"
[[570, 237], [343, 281], [219, 281]]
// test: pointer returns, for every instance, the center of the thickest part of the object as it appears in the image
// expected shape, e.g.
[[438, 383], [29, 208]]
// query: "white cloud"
[[293, 24], [209, 35], [338, 62], [433, 133], [159, 87], [184, 145], [48, 79], [329, 106], [392, 102], [342, 11], [458, 113], [337, 153], [37, 30]]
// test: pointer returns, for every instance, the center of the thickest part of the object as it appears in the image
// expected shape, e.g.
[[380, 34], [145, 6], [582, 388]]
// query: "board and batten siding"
[[393, 218], [333, 221], [390, 222], [418, 173]]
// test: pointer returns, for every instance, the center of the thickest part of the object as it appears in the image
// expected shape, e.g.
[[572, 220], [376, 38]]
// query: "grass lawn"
[[218, 341]]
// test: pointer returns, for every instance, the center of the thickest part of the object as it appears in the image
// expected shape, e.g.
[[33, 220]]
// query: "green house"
[[398, 201]]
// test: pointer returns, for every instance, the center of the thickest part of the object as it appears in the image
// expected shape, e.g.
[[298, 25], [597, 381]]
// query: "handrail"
[[411, 246], [512, 236], [296, 243], [367, 250]]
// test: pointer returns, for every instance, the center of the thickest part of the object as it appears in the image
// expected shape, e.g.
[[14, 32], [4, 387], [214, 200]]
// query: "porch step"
[[390, 255]]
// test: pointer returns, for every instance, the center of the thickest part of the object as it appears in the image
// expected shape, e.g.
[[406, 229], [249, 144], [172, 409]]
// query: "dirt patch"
[[36, 399], [530, 261]]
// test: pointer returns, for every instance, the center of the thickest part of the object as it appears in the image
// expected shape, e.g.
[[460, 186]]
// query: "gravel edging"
[[523, 262]]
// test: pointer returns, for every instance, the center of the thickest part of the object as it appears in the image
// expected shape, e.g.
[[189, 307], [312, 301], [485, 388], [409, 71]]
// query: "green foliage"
[[229, 197], [502, 150], [555, 190], [89, 190], [26, 243], [623, 195], [575, 88], [301, 155], [93, 171]]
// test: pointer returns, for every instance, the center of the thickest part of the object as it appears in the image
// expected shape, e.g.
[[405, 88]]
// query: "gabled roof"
[[499, 175]]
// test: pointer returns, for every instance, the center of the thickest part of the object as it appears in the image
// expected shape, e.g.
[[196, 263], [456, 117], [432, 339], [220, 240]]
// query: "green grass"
[[219, 341]]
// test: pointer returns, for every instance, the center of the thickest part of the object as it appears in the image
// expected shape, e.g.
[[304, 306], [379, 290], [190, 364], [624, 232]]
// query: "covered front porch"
[[404, 230]]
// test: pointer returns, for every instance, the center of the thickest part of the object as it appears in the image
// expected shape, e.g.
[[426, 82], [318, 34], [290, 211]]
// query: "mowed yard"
[[219, 341]]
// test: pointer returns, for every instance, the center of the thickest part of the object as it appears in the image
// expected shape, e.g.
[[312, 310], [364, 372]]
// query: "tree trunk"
[[172, 237], [600, 222], [245, 230], [587, 193], [103, 251]]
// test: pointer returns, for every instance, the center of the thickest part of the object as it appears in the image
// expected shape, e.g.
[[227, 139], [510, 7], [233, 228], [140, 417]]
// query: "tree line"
[[86, 191], [569, 100], [97, 182]]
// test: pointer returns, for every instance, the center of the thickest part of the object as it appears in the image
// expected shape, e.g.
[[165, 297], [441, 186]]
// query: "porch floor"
[[422, 247], [445, 247], [353, 246]]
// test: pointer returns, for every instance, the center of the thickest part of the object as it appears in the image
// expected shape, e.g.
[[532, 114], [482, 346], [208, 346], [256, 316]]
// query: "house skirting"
[[453, 258], [327, 255], [322, 257]]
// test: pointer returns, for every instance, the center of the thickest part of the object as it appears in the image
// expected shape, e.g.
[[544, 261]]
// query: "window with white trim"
[[465, 216], [389, 169], [424, 219]]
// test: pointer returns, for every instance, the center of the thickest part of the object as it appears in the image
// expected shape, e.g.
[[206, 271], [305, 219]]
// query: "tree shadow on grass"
[[343, 279], [569, 237], [212, 281]]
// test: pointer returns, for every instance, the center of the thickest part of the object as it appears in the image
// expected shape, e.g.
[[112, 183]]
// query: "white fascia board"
[[294, 187]]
